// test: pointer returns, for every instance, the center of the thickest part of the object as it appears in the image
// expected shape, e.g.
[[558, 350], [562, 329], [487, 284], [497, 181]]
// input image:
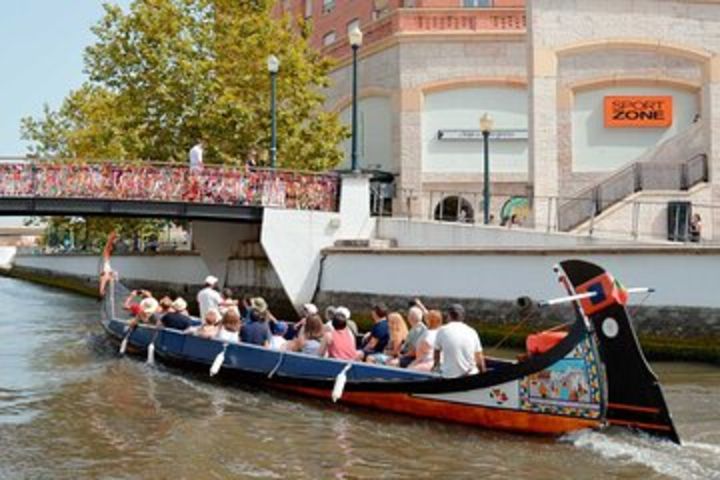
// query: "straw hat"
[[343, 312], [179, 304], [211, 280], [310, 309], [149, 306], [259, 304]]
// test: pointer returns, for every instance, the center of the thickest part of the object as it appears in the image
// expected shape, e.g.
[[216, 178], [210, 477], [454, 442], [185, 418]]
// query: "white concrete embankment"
[[685, 277], [7, 255]]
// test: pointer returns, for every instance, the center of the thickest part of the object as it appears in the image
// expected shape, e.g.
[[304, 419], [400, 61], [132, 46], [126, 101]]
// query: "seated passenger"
[[227, 302], [257, 331], [310, 337], [209, 328], [424, 356], [345, 312], [277, 341], [377, 338], [229, 331], [146, 311], [177, 318], [339, 341], [398, 334], [132, 302], [165, 306], [418, 328], [458, 351]]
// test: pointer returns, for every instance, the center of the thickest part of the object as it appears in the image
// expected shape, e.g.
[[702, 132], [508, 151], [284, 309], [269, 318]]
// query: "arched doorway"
[[455, 209]]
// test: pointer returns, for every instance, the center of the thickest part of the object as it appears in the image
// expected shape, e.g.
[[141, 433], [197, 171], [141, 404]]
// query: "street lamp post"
[[356, 37], [273, 65], [486, 126]]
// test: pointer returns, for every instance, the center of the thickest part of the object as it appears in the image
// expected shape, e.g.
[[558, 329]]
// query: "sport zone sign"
[[638, 112]]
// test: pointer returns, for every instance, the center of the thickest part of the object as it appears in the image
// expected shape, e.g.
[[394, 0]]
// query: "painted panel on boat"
[[570, 386], [505, 395]]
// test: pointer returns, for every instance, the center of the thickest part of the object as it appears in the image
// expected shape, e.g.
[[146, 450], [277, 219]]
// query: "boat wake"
[[693, 460]]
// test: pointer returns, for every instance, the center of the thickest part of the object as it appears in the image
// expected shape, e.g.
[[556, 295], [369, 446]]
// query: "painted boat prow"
[[635, 397]]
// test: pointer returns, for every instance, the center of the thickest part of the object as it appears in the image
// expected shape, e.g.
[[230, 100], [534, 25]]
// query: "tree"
[[169, 72]]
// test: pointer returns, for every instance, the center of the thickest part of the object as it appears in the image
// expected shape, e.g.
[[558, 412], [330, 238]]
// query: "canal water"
[[70, 408]]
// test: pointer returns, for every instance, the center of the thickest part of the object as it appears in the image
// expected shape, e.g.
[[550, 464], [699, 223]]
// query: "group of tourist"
[[220, 185], [422, 343]]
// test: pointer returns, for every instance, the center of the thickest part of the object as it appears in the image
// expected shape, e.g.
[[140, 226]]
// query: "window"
[[328, 5], [477, 3], [329, 38], [308, 8], [353, 24]]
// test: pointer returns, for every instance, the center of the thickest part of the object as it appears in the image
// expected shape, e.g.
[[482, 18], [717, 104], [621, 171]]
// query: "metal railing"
[[640, 176], [631, 219], [236, 186]]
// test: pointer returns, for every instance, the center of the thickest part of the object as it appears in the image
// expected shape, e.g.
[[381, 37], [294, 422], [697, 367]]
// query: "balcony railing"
[[170, 183], [414, 21]]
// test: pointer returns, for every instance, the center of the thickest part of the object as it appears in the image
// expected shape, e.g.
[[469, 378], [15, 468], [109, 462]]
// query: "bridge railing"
[[219, 185]]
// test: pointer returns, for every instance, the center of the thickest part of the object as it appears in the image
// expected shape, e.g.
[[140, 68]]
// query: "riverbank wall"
[[681, 321]]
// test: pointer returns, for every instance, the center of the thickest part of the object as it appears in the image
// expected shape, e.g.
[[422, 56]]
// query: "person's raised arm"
[[129, 300], [324, 344], [421, 306]]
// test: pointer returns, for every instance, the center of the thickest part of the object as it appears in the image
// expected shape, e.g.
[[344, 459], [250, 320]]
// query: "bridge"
[[292, 215], [159, 190]]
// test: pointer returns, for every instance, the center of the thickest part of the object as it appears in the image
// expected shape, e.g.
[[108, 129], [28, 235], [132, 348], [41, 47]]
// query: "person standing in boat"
[[209, 297], [458, 351], [377, 338]]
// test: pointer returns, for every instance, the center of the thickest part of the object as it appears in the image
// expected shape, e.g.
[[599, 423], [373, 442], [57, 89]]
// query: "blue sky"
[[41, 57]]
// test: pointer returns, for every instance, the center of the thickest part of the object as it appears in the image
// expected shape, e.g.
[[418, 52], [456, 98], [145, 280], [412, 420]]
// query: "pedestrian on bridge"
[[196, 156]]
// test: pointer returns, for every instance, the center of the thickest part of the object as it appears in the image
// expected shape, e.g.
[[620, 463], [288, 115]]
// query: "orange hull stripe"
[[493, 418], [651, 426], [633, 408]]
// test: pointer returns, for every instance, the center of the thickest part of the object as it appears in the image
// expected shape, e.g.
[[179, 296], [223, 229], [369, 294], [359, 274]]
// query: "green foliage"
[[169, 72], [91, 233]]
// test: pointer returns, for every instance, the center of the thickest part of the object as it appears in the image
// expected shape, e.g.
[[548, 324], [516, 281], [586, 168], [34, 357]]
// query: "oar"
[[126, 338], [218, 362], [340, 381], [151, 348]]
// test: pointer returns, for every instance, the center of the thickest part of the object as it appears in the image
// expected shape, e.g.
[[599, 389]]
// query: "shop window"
[[353, 24], [328, 6], [454, 209], [329, 38], [477, 3]]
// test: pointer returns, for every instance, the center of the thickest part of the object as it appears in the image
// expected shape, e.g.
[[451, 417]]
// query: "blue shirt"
[[381, 332], [256, 333]]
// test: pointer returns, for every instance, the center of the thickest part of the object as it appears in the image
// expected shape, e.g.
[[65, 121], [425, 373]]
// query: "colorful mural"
[[569, 387]]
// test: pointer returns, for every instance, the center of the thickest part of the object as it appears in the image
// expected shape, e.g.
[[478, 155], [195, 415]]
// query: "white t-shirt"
[[208, 298], [226, 336], [196, 157], [277, 342], [458, 343]]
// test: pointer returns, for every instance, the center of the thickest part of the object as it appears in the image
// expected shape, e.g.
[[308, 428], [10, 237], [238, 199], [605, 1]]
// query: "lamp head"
[[486, 123], [273, 64], [356, 37]]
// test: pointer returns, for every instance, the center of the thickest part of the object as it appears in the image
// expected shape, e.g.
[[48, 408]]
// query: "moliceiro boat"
[[593, 376]]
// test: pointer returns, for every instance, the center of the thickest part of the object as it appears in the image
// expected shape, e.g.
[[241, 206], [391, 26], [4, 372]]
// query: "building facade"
[[603, 111]]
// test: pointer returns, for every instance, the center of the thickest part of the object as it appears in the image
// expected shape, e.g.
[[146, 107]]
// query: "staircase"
[[679, 163]]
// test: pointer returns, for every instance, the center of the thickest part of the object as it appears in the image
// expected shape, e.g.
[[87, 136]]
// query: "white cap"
[[310, 309], [211, 280], [343, 312]]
